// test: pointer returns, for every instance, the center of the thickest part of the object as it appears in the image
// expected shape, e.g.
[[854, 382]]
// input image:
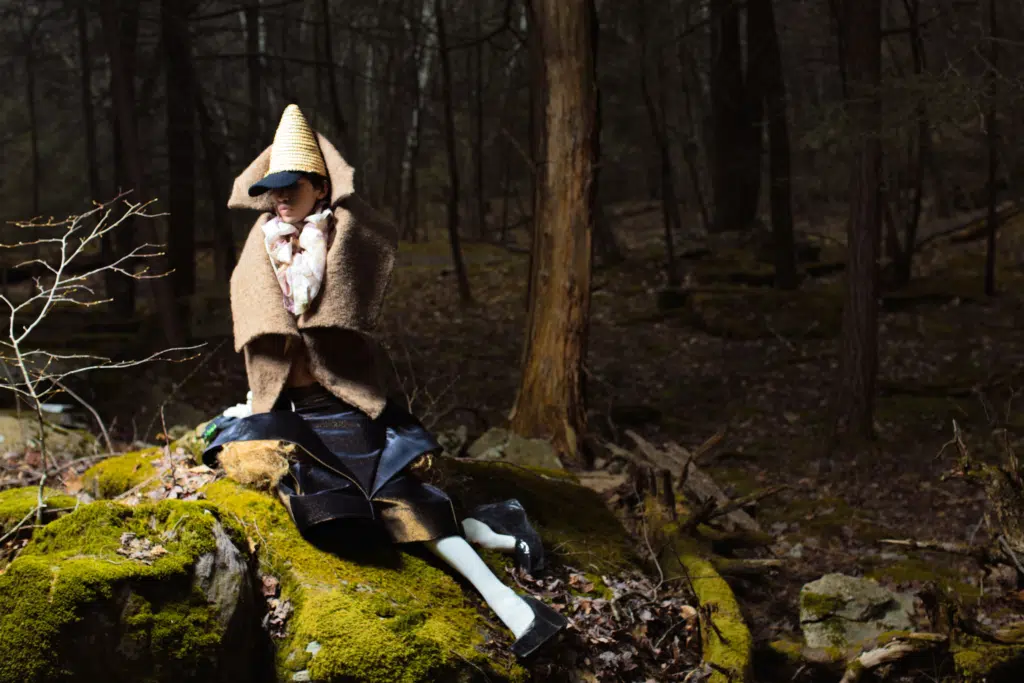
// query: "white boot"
[[482, 535], [510, 608]]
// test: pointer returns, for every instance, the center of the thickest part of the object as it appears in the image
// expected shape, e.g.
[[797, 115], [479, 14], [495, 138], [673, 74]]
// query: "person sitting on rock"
[[305, 295]]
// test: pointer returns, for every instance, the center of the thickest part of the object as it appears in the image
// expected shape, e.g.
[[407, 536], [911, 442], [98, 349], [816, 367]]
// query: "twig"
[[1012, 555], [18, 526], [96, 415], [892, 651], [740, 503]]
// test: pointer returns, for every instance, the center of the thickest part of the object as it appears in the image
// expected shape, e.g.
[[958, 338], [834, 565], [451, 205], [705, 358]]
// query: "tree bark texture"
[[550, 402], [736, 109], [765, 49], [120, 21], [465, 296], [181, 161], [858, 359], [992, 135]]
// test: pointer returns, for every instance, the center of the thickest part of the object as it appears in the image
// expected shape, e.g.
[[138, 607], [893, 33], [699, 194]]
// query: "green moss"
[[113, 476], [978, 661], [728, 646], [59, 597], [922, 571], [577, 527], [15, 504], [379, 614], [759, 313]]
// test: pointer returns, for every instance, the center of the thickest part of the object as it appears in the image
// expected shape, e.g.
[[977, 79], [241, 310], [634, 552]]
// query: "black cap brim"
[[274, 181]]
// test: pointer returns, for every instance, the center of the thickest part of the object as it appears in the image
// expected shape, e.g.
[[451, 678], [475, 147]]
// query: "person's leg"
[[482, 535], [510, 608]]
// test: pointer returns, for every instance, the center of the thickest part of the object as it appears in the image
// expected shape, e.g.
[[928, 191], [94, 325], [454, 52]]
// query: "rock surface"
[[839, 611], [117, 593], [501, 444]]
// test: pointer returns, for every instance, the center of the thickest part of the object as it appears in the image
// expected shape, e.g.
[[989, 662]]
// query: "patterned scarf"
[[299, 257]]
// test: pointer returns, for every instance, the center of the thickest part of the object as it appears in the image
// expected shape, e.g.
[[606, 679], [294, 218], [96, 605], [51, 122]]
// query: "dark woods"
[[764, 118]]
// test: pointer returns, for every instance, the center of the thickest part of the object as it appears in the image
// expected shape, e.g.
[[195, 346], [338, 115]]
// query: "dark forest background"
[[782, 234]]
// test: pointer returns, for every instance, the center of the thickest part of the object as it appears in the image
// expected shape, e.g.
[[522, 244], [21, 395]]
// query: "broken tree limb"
[[695, 483], [727, 646], [893, 651], [740, 503]]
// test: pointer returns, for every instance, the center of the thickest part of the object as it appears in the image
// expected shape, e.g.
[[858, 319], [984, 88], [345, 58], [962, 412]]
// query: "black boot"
[[545, 626], [509, 518]]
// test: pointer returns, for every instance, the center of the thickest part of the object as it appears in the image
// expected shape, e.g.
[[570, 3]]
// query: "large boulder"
[[845, 612], [387, 614], [506, 446], [154, 592]]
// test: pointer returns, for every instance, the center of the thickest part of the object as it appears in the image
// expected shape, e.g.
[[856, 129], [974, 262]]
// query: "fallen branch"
[[893, 651]]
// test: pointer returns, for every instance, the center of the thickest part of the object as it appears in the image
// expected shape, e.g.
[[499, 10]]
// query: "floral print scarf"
[[299, 257]]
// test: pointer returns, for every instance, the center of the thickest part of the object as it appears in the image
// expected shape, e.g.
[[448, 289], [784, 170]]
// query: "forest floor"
[[747, 359]]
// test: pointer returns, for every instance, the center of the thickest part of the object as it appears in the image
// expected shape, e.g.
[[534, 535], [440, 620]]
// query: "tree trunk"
[[332, 86], [992, 135], [465, 296], [480, 205], [88, 115], [762, 21], [423, 56], [657, 119], [33, 122], [854, 398], [905, 255], [181, 162], [253, 71], [550, 402], [120, 23], [223, 237], [736, 118]]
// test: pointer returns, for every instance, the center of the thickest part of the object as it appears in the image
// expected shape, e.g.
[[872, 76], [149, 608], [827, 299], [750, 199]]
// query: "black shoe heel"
[[509, 518], [546, 624]]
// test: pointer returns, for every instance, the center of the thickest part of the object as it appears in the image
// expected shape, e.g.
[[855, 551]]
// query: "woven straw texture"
[[295, 147]]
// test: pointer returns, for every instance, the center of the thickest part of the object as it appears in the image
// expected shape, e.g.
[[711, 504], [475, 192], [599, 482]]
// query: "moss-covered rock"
[[20, 432], [115, 475], [116, 593], [15, 504], [845, 612], [377, 613], [575, 524], [977, 661], [370, 614]]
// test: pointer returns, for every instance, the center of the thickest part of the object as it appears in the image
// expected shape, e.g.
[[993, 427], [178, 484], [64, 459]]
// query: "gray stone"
[[847, 612], [501, 444], [453, 441]]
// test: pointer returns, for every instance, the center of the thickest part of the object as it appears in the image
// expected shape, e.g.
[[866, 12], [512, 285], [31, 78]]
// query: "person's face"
[[295, 202]]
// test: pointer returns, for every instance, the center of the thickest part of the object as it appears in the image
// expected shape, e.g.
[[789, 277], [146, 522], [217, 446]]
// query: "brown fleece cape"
[[336, 328]]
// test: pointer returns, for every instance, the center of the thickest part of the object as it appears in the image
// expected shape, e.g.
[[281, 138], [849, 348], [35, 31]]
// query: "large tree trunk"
[[120, 19], [550, 402], [254, 74], [465, 296], [223, 238], [854, 396], [736, 119], [765, 48], [423, 56], [904, 261], [337, 114], [181, 162], [88, 112], [992, 135]]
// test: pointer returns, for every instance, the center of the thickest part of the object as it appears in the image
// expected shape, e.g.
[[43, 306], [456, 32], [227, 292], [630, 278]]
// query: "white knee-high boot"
[[510, 608], [482, 535]]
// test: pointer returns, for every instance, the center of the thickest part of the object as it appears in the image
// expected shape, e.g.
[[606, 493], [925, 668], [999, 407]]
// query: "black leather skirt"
[[349, 467]]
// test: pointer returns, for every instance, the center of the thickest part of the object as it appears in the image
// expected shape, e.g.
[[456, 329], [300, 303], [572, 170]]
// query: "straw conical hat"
[[294, 152]]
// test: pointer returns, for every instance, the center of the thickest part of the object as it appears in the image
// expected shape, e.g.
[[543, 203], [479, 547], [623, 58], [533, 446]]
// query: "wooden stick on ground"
[[893, 651]]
